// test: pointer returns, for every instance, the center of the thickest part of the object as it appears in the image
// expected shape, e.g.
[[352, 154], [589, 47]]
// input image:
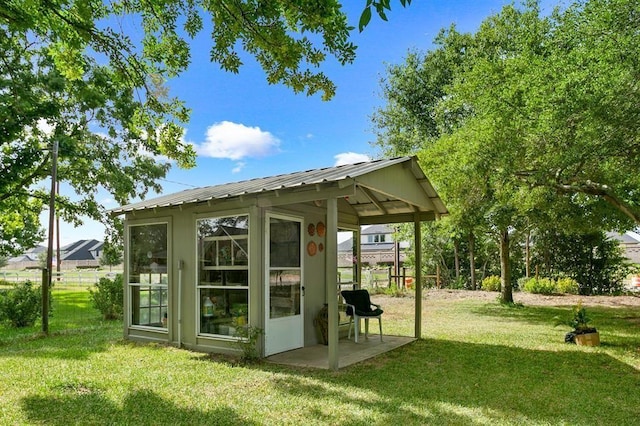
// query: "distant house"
[[79, 254], [82, 250], [377, 247], [29, 256], [630, 244]]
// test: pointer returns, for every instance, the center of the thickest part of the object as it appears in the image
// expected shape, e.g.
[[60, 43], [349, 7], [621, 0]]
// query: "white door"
[[284, 287]]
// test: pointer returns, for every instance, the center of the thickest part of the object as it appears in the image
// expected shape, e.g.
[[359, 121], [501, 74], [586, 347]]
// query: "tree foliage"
[[112, 255], [529, 123], [69, 74]]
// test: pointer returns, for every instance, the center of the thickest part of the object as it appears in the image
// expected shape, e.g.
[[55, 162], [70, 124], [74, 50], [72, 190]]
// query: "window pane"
[[223, 262], [347, 257], [222, 311], [149, 306], [148, 254], [284, 293], [284, 240]]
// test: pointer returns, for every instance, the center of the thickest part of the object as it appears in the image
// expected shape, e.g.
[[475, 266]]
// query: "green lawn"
[[479, 363]]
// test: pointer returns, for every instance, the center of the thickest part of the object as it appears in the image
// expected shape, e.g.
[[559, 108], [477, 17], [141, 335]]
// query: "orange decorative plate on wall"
[[320, 229], [312, 248]]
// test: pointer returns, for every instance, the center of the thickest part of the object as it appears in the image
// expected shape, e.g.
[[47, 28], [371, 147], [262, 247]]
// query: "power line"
[[179, 183]]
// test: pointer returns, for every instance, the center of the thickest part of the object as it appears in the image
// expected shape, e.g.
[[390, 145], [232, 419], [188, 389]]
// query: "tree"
[[537, 115], [111, 255], [67, 74]]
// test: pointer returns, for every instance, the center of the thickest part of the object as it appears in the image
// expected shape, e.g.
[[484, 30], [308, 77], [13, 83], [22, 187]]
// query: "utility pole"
[[58, 260], [47, 272]]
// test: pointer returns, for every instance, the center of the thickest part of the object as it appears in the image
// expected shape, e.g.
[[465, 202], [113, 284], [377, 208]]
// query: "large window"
[[223, 274], [148, 278]]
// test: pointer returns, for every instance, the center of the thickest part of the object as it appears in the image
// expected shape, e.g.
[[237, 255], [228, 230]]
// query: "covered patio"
[[388, 192], [349, 352]]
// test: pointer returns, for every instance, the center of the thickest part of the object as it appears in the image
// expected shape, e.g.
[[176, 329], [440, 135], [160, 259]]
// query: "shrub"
[[108, 297], [21, 305], [522, 282], [394, 291], [540, 286], [458, 284], [491, 283], [567, 285], [247, 342]]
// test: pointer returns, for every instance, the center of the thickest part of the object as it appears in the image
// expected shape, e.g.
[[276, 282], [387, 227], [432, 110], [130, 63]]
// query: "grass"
[[479, 363]]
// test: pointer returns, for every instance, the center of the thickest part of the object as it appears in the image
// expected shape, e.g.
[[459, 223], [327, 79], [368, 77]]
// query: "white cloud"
[[350, 158], [236, 141], [239, 166]]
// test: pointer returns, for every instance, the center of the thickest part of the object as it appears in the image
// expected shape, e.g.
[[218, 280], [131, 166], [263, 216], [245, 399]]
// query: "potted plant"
[[583, 334]]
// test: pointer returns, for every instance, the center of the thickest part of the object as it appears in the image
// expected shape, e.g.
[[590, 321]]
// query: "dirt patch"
[[520, 297]]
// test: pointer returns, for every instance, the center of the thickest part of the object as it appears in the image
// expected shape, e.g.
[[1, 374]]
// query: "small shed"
[[202, 264]]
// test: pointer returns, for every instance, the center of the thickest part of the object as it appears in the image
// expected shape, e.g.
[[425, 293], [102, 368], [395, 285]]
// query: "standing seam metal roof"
[[261, 185]]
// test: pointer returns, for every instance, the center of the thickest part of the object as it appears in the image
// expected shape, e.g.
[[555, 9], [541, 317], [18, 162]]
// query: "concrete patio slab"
[[350, 352]]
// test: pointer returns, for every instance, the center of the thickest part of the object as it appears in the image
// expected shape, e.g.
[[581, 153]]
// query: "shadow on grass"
[[426, 382], [80, 404], [448, 382]]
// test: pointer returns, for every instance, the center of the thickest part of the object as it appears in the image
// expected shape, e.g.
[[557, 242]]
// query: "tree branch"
[[603, 191]]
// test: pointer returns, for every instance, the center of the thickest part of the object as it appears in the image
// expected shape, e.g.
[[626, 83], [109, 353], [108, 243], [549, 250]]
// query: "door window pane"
[[284, 293]]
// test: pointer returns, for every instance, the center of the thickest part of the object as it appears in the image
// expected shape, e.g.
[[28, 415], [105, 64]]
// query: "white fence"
[[75, 277]]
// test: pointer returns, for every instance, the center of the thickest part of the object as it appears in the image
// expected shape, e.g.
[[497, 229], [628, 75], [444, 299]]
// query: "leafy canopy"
[[68, 74]]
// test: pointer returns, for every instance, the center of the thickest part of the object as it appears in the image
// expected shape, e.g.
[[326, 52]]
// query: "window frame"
[[232, 266], [159, 286]]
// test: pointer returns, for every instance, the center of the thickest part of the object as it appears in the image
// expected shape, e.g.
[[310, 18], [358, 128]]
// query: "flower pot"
[[588, 339]]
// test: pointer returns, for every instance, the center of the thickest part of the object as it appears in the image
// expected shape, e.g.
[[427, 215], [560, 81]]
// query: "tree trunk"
[[527, 251], [456, 258], [472, 260], [505, 272]]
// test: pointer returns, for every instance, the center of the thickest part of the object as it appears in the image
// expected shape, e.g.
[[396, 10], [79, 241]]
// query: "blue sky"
[[244, 128]]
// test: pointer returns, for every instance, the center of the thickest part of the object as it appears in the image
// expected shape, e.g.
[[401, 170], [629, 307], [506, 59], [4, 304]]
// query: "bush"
[[567, 285], [491, 283], [108, 297], [21, 305], [522, 282], [540, 286], [458, 284]]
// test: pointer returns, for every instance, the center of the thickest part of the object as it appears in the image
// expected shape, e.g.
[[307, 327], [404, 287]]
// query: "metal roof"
[[368, 199]]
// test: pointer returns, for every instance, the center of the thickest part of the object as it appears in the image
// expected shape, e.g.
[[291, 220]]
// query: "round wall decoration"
[[320, 247], [311, 229], [320, 229], [312, 248]]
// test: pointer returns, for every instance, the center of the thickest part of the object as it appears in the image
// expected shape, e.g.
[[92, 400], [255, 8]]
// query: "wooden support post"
[[331, 276], [418, 275]]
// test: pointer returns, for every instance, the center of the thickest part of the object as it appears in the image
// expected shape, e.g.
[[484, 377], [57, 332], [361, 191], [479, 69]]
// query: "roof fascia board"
[[398, 182], [397, 218]]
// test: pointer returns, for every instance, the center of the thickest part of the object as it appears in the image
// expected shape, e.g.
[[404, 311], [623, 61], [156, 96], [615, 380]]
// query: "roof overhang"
[[382, 191]]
